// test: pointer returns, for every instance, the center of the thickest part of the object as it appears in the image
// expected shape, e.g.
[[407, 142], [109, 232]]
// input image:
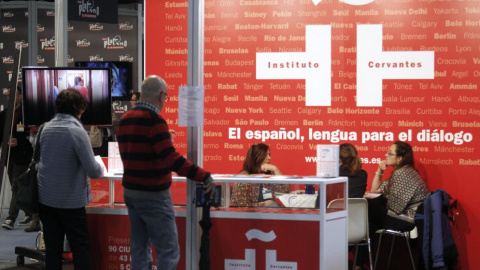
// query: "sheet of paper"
[[115, 164], [190, 106], [99, 160], [328, 160]]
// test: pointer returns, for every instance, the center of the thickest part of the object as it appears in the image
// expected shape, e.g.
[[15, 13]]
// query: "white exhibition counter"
[[241, 238]]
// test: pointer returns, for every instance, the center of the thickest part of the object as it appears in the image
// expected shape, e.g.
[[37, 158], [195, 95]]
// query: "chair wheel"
[[20, 260]]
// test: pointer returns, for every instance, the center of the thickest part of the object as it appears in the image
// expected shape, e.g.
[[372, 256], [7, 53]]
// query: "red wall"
[[436, 92]]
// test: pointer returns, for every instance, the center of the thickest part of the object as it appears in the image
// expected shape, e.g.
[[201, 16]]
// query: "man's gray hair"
[[152, 87]]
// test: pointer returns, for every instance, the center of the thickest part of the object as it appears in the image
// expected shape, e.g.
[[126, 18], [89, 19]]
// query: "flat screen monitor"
[[122, 77], [41, 86]]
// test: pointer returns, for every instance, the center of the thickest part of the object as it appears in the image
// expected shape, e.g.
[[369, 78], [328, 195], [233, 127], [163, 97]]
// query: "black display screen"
[[122, 85], [42, 85]]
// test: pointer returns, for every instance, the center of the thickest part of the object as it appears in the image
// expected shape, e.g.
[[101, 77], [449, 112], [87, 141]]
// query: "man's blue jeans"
[[153, 222]]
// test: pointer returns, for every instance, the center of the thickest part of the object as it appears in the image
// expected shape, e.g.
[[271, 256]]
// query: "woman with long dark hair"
[[403, 191], [351, 166], [257, 161]]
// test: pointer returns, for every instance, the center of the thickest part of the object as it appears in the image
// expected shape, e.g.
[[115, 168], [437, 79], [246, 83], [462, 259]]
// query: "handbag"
[[27, 195], [96, 137]]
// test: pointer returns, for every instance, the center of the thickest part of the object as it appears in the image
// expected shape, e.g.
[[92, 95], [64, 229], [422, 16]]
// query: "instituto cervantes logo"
[[373, 65], [95, 26], [114, 43], [271, 261], [88, 9]]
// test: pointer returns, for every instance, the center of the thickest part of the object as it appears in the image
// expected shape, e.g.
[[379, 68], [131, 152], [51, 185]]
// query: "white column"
[[194, 134], [61, 38]]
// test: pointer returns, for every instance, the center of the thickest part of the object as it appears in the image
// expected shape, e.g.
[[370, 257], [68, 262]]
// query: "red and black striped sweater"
[[148, 154]]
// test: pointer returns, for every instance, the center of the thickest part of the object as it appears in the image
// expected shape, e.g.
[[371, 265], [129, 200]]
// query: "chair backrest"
[[336, 204], [357, 220]]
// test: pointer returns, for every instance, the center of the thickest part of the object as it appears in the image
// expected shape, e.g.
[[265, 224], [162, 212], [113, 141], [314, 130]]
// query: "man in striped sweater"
[[148, 158]]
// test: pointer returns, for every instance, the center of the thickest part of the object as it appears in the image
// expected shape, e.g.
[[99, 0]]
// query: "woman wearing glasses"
[[403, 191]]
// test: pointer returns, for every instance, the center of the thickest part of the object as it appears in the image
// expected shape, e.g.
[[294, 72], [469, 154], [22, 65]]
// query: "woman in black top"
[[351, 166]]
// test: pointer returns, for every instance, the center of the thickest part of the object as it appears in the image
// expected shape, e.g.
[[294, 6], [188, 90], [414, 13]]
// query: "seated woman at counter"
[[351, 166], [257, 161], [404, 191]]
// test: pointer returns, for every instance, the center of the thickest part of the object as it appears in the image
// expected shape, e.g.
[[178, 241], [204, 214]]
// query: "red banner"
[[110, 241], [297, 73]]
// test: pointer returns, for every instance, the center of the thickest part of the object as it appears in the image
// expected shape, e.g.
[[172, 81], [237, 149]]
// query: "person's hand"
[[268, 168], [13, 142], [209, 186], [383, 165]]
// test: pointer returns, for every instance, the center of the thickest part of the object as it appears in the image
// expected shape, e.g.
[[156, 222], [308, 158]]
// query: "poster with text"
[[297, 73]]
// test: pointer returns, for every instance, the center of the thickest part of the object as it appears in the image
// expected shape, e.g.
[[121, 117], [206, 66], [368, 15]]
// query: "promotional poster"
[[298, 73]]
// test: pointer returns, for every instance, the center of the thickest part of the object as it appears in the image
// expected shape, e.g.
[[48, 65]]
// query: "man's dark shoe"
[[9, 224]]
